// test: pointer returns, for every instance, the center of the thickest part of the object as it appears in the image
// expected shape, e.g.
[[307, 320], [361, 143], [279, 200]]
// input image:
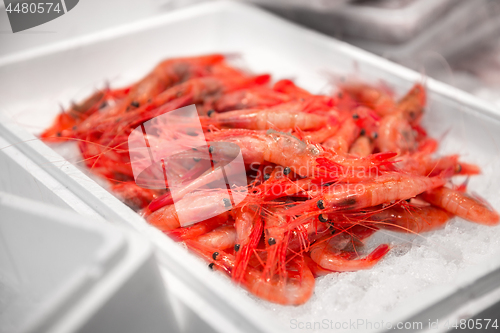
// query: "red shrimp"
[[248, 224], [73, 116], [276, 239], [258, 97], [294, 289], [276, 147], [165, 75], [220, 238], [288, 87], [396, 132], [362, 146], [318, 136], [410, 219], [133, 195], [378, 99], [421, 163], [326, 257], [385, 188], [344, 138], [199, 228], [462, 205], [263, 119], [193, 207]]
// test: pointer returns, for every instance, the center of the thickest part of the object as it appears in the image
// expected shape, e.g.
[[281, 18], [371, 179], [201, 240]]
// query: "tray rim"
[[126, 215]]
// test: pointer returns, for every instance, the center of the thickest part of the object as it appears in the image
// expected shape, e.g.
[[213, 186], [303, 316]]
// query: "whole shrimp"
[[396, 132], [294, 289], [460, 204], [378, 99], [193, 207], [328, 258], [386, 188], [409, 219], [165, 75], [276, 147], [345, 136], [249, 98], [248, 224], [282, 116]]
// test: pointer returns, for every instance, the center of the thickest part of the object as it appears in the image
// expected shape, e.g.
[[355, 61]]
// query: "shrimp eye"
[[340, 95], [196, 159], [215, 255], [271, 241], [210, 112], [211, 265], [211, 150], [323, 218], [458, 168], [375, 135], [321, 204], [286, 171], [227, 202], [134, 104], [103, 105], [73, 128], [362, 132], [266, 176], [355, 116], [236, 247], [58, 134], [412, 114], [334, 231]]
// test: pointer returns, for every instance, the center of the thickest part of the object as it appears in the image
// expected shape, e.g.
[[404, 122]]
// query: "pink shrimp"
[[283, 116], [199, 89], [378, 99], [318, 136], [410, 219], [345, 136], [221, 238], [422, 164], [276, 239], [329, 259], [275, 147], [133, 195], [396, 132], [288, 87], [248, 224], [462, 205], [199, 228], [386, 188], [294, 289], [193, 207], [258, 97], [361, 147]]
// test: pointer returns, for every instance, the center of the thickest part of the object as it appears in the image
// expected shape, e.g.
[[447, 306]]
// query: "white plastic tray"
[[61, 272], [35, 82]]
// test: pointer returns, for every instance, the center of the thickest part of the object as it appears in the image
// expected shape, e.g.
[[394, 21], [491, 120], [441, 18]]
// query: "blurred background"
[[455, 41]]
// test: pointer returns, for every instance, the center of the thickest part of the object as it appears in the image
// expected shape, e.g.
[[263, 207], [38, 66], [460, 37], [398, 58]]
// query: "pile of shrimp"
[[324, 172]]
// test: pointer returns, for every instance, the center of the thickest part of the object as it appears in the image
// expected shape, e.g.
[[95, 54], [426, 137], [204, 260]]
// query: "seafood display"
[[269, 183]]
